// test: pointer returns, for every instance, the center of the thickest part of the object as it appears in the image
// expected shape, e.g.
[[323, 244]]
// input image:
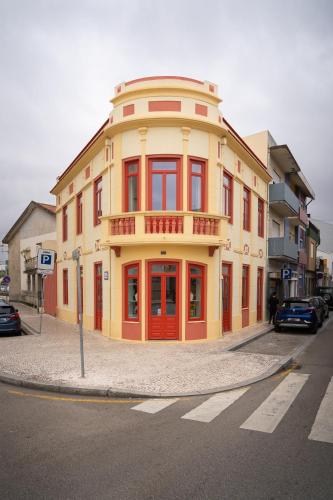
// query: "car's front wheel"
[[277, 328], [314, 328]]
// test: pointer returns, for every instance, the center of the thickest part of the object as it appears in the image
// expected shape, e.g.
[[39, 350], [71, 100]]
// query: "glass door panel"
[[170, 295], [156, 294]]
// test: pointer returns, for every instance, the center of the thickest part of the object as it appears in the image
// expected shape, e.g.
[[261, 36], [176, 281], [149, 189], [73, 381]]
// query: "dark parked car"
[[10, 321], [326, 292], [298, 312], [324, 305]]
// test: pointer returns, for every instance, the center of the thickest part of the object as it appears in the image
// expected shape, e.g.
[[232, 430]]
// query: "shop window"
[[245, 287], [197, 185], [131, 285], [64, 223], [261, 218], [246, 209], [97, 201], [65, 286], [132, 185], [196, 292], [164, 184], [79, 213], [227, 199]]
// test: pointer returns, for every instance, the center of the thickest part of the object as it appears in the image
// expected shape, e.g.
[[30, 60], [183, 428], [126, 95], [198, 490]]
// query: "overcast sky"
[[60, 60]]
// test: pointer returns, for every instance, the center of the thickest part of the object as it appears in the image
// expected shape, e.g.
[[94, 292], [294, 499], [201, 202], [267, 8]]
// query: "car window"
[[294, 305], [6, 309]]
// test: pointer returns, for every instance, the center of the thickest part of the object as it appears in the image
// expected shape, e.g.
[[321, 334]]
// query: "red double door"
[[163, 301], [98, 295], [227, 296]]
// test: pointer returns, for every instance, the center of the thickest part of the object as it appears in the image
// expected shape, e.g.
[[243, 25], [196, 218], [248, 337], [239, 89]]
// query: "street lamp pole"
[[76, 257]]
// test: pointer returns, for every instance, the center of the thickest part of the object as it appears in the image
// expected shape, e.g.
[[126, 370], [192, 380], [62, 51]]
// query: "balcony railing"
[[282, 248], [150, 227], [283, 200], [30, 264]]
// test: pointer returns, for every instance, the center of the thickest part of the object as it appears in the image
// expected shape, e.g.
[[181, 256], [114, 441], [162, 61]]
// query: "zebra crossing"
[[267, 416]]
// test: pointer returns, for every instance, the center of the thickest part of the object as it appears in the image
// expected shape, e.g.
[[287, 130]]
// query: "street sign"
[[286, 274], [45, 261], [5, 280]]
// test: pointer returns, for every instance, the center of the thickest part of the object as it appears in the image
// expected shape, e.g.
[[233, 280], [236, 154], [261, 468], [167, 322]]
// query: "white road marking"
[[269, 414], [154, 405], [322, 429], [213, 406]]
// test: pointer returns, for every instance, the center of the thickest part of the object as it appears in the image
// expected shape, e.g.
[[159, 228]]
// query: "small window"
[[261, 218], [79, 213], [64, 223], [246, 209], [97, 201], [131, 283], [227, 200], [196, 284], [132, 201]]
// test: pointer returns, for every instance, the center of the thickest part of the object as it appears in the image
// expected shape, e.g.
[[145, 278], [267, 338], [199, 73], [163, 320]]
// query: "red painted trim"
[[79, 212], [178, 171], [164, 106], [84, 150], [179, 291], [64, 223], [201, 109], [246, 281], [98, 321], [128, 110], [204, 187], [261, 218], [126, 163], [260, 278], [231, 195], [126, 277], [241, 141], [230, 274], [97, 198], [201, 276], [65, 286], [148, 78]]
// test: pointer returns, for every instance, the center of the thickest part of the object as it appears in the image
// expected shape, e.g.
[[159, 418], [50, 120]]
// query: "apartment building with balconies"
[[167, 205], [289, 194]]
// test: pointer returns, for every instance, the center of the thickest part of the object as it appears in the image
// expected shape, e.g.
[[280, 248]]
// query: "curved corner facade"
[[168, 206]]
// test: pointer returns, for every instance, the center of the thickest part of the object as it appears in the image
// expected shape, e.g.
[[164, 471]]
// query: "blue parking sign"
[[45, 261]]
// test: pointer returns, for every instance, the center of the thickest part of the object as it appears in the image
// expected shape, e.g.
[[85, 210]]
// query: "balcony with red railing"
[[144, 228]]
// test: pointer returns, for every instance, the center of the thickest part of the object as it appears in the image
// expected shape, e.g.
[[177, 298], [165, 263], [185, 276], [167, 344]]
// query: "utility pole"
[[76, 257]]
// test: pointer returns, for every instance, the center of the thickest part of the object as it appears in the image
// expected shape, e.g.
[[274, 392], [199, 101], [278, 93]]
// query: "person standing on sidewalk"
[[273, 305]]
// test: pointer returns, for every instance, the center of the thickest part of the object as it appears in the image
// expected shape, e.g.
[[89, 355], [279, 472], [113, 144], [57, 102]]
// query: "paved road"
[[273, 440]]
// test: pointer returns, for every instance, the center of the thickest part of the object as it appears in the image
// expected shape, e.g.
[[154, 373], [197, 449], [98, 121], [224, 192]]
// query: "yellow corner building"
[[168, 207]]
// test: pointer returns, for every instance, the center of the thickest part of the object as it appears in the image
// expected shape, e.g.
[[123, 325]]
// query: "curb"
[[242, 343]]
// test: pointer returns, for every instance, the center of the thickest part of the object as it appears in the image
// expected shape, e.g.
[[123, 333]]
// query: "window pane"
[[195, 270], [226, 181], [196, 168], [196, 193], [132, 169], [156, 296], [195, 298], [132, 193], [157, 192], [171, 195], [170, 296], [163, 268], [132, 270], [164, 165], [132, 294]]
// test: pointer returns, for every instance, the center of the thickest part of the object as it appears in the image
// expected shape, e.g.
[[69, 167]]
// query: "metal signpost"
[[76, 256], [45, 266]]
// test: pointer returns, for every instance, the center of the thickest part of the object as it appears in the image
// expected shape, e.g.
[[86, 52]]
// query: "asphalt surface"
[[60, 447]]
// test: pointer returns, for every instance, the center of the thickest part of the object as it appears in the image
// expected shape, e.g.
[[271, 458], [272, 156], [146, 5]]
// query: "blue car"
[[300, 313], [10, 321]]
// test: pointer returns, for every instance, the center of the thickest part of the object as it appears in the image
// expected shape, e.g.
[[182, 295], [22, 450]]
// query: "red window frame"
[[79, 213], [65, 286], [261, 218], [98, 188], [128, 162], [202, 277], [177, 171], [64, 223], [246, 209], [245, 286], [202, 175], [228, 194], [127, 276]]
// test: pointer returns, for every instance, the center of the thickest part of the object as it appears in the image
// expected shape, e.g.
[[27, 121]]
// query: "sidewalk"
[[52, 361]]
